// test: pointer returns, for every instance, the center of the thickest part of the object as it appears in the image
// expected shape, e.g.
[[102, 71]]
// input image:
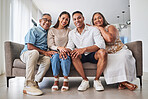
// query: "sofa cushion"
[[19, 64], [89, 66]]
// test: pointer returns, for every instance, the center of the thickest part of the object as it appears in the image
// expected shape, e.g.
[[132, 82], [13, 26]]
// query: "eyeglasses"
[[45, 19]]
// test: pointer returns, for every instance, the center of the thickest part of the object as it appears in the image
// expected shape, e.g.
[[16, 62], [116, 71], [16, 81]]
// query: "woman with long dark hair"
[[57, 40], [121, 63]]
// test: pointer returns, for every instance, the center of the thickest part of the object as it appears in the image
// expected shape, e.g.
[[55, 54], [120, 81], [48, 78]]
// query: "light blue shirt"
[[38, 37]]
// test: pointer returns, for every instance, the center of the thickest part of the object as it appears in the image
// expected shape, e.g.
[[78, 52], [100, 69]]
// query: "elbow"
[[110, 40], [29, 46]]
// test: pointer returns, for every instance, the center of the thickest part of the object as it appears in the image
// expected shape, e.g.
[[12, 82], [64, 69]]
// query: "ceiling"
[[109, 8]]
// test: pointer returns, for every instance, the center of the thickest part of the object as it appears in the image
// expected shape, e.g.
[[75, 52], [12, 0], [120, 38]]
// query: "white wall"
[[126, 32], [139, 26], [110, 9], [36, 13], [5, 28]]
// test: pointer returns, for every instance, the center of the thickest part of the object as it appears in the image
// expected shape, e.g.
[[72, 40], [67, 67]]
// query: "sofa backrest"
[[136, 48]]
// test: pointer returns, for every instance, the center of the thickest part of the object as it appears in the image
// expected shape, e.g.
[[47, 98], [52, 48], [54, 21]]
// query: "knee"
[[68, 58], [46, 61], [34, 54], [102, 53], [55, 56], [75, 59]]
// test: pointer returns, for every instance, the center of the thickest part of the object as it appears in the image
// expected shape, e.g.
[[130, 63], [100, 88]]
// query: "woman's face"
[[63, 20], [98, 20]]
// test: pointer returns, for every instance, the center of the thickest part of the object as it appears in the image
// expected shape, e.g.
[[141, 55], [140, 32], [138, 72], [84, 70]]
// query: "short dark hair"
[[105, 23], [57, 24], [46, 14], [77, 12]]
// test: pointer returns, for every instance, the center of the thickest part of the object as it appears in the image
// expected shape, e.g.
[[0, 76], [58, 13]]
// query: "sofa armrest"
[[12, 52], [136, 48]]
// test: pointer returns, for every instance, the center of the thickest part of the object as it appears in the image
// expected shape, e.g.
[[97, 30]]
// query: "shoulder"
[[73, 30], [51, 30], [110, 27], [33, 30], [68, 29], [93, 29]]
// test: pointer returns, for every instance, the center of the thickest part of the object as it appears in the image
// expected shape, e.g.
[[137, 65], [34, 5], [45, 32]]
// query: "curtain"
[[21, 13], [4, 30], [15, 21]]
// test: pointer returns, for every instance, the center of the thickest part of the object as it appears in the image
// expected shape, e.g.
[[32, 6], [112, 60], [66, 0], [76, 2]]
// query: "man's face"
[[45, 22], [78, 20]]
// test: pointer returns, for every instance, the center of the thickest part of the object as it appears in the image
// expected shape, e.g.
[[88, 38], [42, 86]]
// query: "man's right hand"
[[76, 52], [49, 53]]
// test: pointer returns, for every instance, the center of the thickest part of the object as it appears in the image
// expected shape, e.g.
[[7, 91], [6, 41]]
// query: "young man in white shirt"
[[86, 45]]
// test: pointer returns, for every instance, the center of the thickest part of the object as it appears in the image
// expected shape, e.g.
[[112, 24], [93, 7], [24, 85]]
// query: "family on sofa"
[[61, 46]]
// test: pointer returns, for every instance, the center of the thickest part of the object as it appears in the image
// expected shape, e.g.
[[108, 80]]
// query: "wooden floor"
[[110, 92]]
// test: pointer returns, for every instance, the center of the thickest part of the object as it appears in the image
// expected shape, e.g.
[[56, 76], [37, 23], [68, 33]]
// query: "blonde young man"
[[35, 52], [86, 45]]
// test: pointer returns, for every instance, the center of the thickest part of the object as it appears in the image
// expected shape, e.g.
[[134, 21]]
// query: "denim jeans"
[[56, 62]]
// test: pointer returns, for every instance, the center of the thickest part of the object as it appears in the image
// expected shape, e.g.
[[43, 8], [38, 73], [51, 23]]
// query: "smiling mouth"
[[46, 25], [64, 23], [98, 22], [78, 24]]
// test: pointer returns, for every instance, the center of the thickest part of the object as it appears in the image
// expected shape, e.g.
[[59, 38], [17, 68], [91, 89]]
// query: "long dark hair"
[[105, 23], [57, 24]]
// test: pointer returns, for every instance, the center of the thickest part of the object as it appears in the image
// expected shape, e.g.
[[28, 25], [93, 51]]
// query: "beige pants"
[[32, 58]]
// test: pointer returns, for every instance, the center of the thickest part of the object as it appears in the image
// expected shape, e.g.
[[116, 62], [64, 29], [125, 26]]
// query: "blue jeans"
[[56, 62]]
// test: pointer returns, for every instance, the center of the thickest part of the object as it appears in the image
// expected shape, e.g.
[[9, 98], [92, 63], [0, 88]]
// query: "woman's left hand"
[[61, 49], [63, 55]]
